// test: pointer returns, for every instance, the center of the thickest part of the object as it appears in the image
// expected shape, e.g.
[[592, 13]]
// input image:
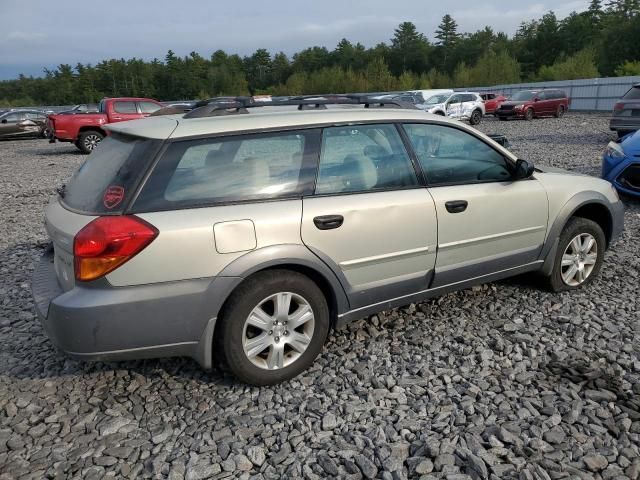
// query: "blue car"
[[621, 164]]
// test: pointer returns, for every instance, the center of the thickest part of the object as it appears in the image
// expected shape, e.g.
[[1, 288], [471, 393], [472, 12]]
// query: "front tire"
[[476, 117], [273, 327], [579, 256], [88, 141], [528, 115], [560, 112]]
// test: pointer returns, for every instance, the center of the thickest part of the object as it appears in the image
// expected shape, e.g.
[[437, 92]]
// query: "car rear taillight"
[[108, 242], [618, 107]]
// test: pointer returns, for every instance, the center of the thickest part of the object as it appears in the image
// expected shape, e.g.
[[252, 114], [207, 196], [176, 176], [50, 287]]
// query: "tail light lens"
[[618, 107], [108, 242]]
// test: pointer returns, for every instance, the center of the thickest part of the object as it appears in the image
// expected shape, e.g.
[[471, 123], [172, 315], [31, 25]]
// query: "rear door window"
[[125, 107], [148, 107], [363, 158], [108, 178], [210, 171]]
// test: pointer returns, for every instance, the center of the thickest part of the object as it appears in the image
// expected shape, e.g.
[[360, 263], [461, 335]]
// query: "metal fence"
[[592, 94]]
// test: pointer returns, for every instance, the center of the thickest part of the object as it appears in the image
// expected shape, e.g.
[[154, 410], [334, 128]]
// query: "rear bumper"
[[101, 322], [624, 123]]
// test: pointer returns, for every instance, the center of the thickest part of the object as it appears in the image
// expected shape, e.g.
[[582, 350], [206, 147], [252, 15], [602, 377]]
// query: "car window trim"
[[509, 163]]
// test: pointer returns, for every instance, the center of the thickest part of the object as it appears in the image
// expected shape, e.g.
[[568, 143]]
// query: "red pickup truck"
[[85, 129]]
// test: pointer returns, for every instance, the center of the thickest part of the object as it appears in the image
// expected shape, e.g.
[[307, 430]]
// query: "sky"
[[35, 34]]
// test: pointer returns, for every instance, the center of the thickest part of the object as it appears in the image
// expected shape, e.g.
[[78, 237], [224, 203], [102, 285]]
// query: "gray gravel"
[[504, 380]]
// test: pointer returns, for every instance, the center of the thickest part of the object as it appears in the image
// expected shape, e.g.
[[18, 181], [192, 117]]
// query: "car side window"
[[232, 169], [542, 96], [455, 99], [450, 156], [125, 107], [363, 158], [13, 118], [148, 107]]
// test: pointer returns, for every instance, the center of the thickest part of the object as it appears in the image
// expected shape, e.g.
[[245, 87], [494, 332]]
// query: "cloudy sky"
[[43, 33]]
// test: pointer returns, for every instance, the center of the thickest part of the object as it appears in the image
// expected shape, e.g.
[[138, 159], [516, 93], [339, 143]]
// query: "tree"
[[409, 50], [580, 65]]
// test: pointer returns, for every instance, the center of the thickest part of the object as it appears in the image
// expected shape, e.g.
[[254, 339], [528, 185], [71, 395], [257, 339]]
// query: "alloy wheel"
[[579, 259], [91, 141], [278, 331]]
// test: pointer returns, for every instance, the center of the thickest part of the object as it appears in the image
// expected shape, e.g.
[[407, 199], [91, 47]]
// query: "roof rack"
[[239, 105]]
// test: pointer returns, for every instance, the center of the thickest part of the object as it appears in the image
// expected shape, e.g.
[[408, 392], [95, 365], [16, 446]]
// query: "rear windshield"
[[107, 179], [633, 94]]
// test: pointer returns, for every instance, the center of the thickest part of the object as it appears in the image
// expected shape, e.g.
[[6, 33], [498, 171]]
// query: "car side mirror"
[[524, 169], [536, 99]]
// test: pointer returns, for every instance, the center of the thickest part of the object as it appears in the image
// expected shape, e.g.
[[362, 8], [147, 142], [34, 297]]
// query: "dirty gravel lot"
[[504, 380]]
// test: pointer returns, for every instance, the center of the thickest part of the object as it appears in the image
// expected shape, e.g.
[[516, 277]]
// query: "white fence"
[[592, 94]]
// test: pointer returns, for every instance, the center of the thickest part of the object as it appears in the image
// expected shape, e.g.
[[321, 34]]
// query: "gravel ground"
[[501, 381]]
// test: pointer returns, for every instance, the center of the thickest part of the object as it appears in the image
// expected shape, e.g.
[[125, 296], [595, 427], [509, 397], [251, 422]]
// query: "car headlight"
[[614, 151], [518, 107]]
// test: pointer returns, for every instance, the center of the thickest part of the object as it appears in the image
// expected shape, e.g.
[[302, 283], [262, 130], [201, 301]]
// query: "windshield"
[[437, 99], [107, 179], [525, 95]]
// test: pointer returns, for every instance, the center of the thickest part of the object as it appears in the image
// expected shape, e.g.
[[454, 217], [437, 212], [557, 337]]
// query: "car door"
[[454, 106], [124, 110], [369, 218], [9, 123], [544, 105], [486, 221]]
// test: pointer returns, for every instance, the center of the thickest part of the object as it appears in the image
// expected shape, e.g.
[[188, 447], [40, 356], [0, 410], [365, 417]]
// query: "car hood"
[[547, 169], [514, 102], [631, 145]]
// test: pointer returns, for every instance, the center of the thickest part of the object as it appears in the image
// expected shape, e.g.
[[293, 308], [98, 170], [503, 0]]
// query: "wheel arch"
[[591, 205], [296, 258], [88, 128]]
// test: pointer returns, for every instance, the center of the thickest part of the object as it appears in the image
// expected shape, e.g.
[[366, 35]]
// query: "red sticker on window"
[[113, 195]]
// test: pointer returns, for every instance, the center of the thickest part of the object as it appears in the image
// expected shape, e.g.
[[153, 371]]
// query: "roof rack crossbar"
[[236, 105]]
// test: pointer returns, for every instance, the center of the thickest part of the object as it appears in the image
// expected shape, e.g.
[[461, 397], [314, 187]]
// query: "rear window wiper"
[[62, 190]]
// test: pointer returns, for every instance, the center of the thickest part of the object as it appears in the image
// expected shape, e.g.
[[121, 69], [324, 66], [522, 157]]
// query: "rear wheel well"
[[319, 279], [598, 213], [95, 129]]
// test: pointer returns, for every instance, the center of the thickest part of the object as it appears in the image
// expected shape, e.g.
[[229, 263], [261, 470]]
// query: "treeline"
[[604, 40]]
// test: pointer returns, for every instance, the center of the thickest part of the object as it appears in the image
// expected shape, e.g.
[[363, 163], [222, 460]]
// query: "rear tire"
[[528, 115], [573, 252], [559, 112], [476, 117], [622, 133], [288, 347], [89, 140]]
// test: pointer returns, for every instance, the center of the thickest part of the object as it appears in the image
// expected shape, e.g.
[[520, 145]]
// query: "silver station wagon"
[[239, 234]]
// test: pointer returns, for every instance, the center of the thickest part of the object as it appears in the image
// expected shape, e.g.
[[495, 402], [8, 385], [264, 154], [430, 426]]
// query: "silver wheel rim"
[[529, 114], [475, 118], [579, 259], [278, 331], [91, 141]]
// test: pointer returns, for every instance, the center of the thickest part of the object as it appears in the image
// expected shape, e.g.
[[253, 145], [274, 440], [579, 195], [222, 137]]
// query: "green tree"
[[409, 50]]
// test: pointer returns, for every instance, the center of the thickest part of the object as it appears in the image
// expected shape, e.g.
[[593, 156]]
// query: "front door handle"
[[456, 206], [328, 222]]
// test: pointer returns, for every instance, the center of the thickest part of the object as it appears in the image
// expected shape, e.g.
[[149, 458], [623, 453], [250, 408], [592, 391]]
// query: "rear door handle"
[[456, 206], [328, 222]]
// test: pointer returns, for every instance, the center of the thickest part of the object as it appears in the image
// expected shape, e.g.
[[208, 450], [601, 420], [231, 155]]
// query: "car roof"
[[175, 126]]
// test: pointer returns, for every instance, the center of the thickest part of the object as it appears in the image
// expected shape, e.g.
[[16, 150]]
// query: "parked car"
[[81, 108], [621, 164], [23, 123], [459, 105], [433, 91], [87, 130], [492, 101], [530, 104], [626, 113], [248, 236]]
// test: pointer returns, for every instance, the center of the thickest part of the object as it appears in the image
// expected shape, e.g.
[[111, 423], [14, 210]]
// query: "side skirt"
[[358, 313]]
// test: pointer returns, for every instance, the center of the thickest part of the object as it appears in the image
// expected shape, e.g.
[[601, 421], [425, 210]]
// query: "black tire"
[[528, 115], [560, 112], [88, 140], [230, 332], [574, 227], [502, 119], [44, 132], [440, 113], [622, 133], [476, 117]]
